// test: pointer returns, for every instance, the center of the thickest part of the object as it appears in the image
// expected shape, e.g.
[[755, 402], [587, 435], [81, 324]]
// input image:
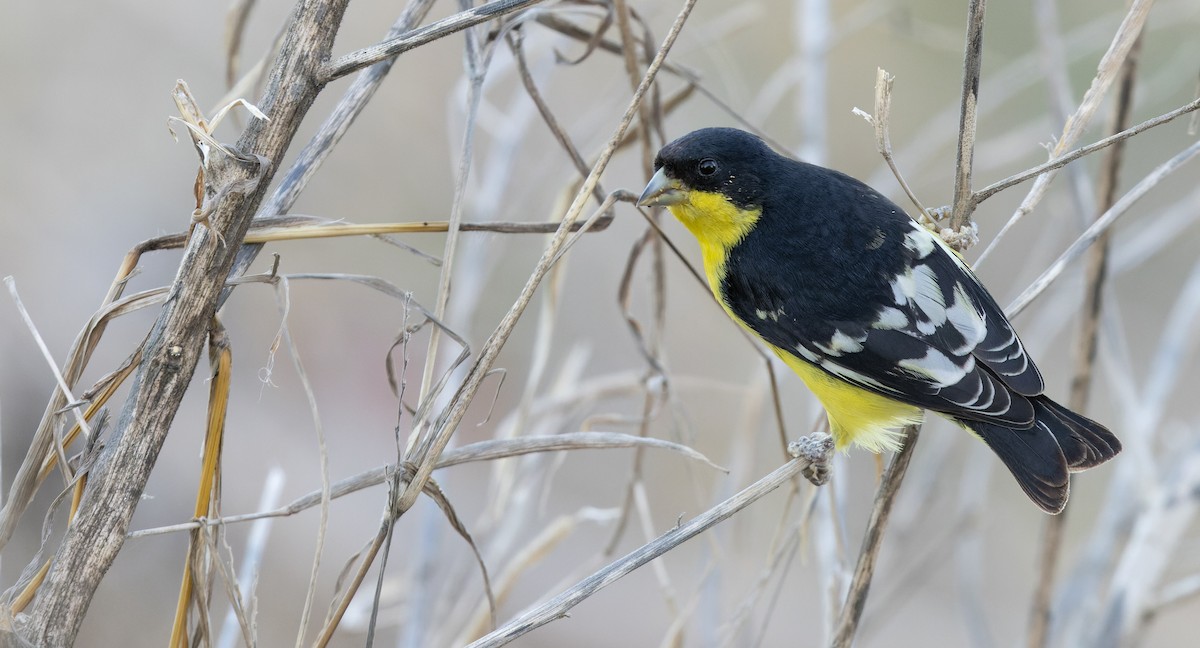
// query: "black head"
[[728, 161]]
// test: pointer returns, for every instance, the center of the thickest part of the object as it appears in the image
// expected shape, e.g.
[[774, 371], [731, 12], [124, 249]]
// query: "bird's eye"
[[707, 167]]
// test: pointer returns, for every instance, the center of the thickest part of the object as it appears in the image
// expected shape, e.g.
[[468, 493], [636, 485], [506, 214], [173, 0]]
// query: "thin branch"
[[1063, 160], [73, 403], [972, 62], [366, 56], [1085, 356], [856, 599], [558, 606], [476, 62], [1092, 233], [1106, 72], [881, 120], [353, 101], [572, 30], [480, 451]]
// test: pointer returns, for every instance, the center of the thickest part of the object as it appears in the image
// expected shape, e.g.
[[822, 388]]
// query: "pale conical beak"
[[662, 191]]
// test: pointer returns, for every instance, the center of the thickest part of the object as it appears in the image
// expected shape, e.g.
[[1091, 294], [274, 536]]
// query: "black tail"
[[1042, 456]]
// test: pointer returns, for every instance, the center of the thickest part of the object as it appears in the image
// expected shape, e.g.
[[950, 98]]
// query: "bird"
[[878, 316]]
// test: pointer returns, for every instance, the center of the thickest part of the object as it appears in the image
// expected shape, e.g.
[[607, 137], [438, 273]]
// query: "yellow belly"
[[856, 416]]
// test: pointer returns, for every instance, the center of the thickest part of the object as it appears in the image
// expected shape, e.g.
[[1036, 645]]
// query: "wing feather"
[[931, 336]]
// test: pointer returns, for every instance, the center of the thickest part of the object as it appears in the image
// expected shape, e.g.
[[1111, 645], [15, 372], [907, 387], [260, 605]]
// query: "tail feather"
[[1042, 456], [1085, 443]]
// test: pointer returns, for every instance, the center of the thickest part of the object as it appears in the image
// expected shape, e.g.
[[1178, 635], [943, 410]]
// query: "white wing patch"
[[853, 376], [771, 315], [967, 320], [807, 355], [920, 241], [903, 287], [938, 368], [891, 319], [841, 343], [928, 298]]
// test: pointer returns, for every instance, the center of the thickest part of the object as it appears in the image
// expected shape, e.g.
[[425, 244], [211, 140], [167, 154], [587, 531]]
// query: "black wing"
[[906, 319]]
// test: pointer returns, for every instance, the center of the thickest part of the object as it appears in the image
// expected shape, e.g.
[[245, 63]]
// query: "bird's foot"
[[817, 448]]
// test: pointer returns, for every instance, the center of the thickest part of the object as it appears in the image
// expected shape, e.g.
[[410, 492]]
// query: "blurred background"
[[89, 169]]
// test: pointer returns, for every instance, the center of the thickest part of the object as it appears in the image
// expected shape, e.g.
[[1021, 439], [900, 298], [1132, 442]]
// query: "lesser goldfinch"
[[876, 314]]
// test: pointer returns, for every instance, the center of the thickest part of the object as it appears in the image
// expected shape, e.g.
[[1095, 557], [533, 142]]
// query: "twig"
[[256, 543], [220, 358], [881, 119], [972, 62], [476, 64], [327, 137], [963, 206], [873, 540], [366, 56], [558, 606], [516, 42], [1085, 354], [1063, 160], [74, 404], [1095, 230], [572, 30], [1109, 66], [235, 28], [474, 452]]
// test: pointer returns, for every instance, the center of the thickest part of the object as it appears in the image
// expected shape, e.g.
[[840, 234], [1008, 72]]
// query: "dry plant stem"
[[80, 419], [1106, 72], [1063, 160], [571, 30], [490, 450], [322, 143], [1085, 352], [457, 407], [883, 139], [26, 596], [96, 403], [972, 61], [177, 337], [856, 599], [380, 540], [475, 61], [1097, 229], [516, 41], [366, 56], [221, 364], [361, 90], [365, 562], [235, 27], [297, 228], [558, 606]]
